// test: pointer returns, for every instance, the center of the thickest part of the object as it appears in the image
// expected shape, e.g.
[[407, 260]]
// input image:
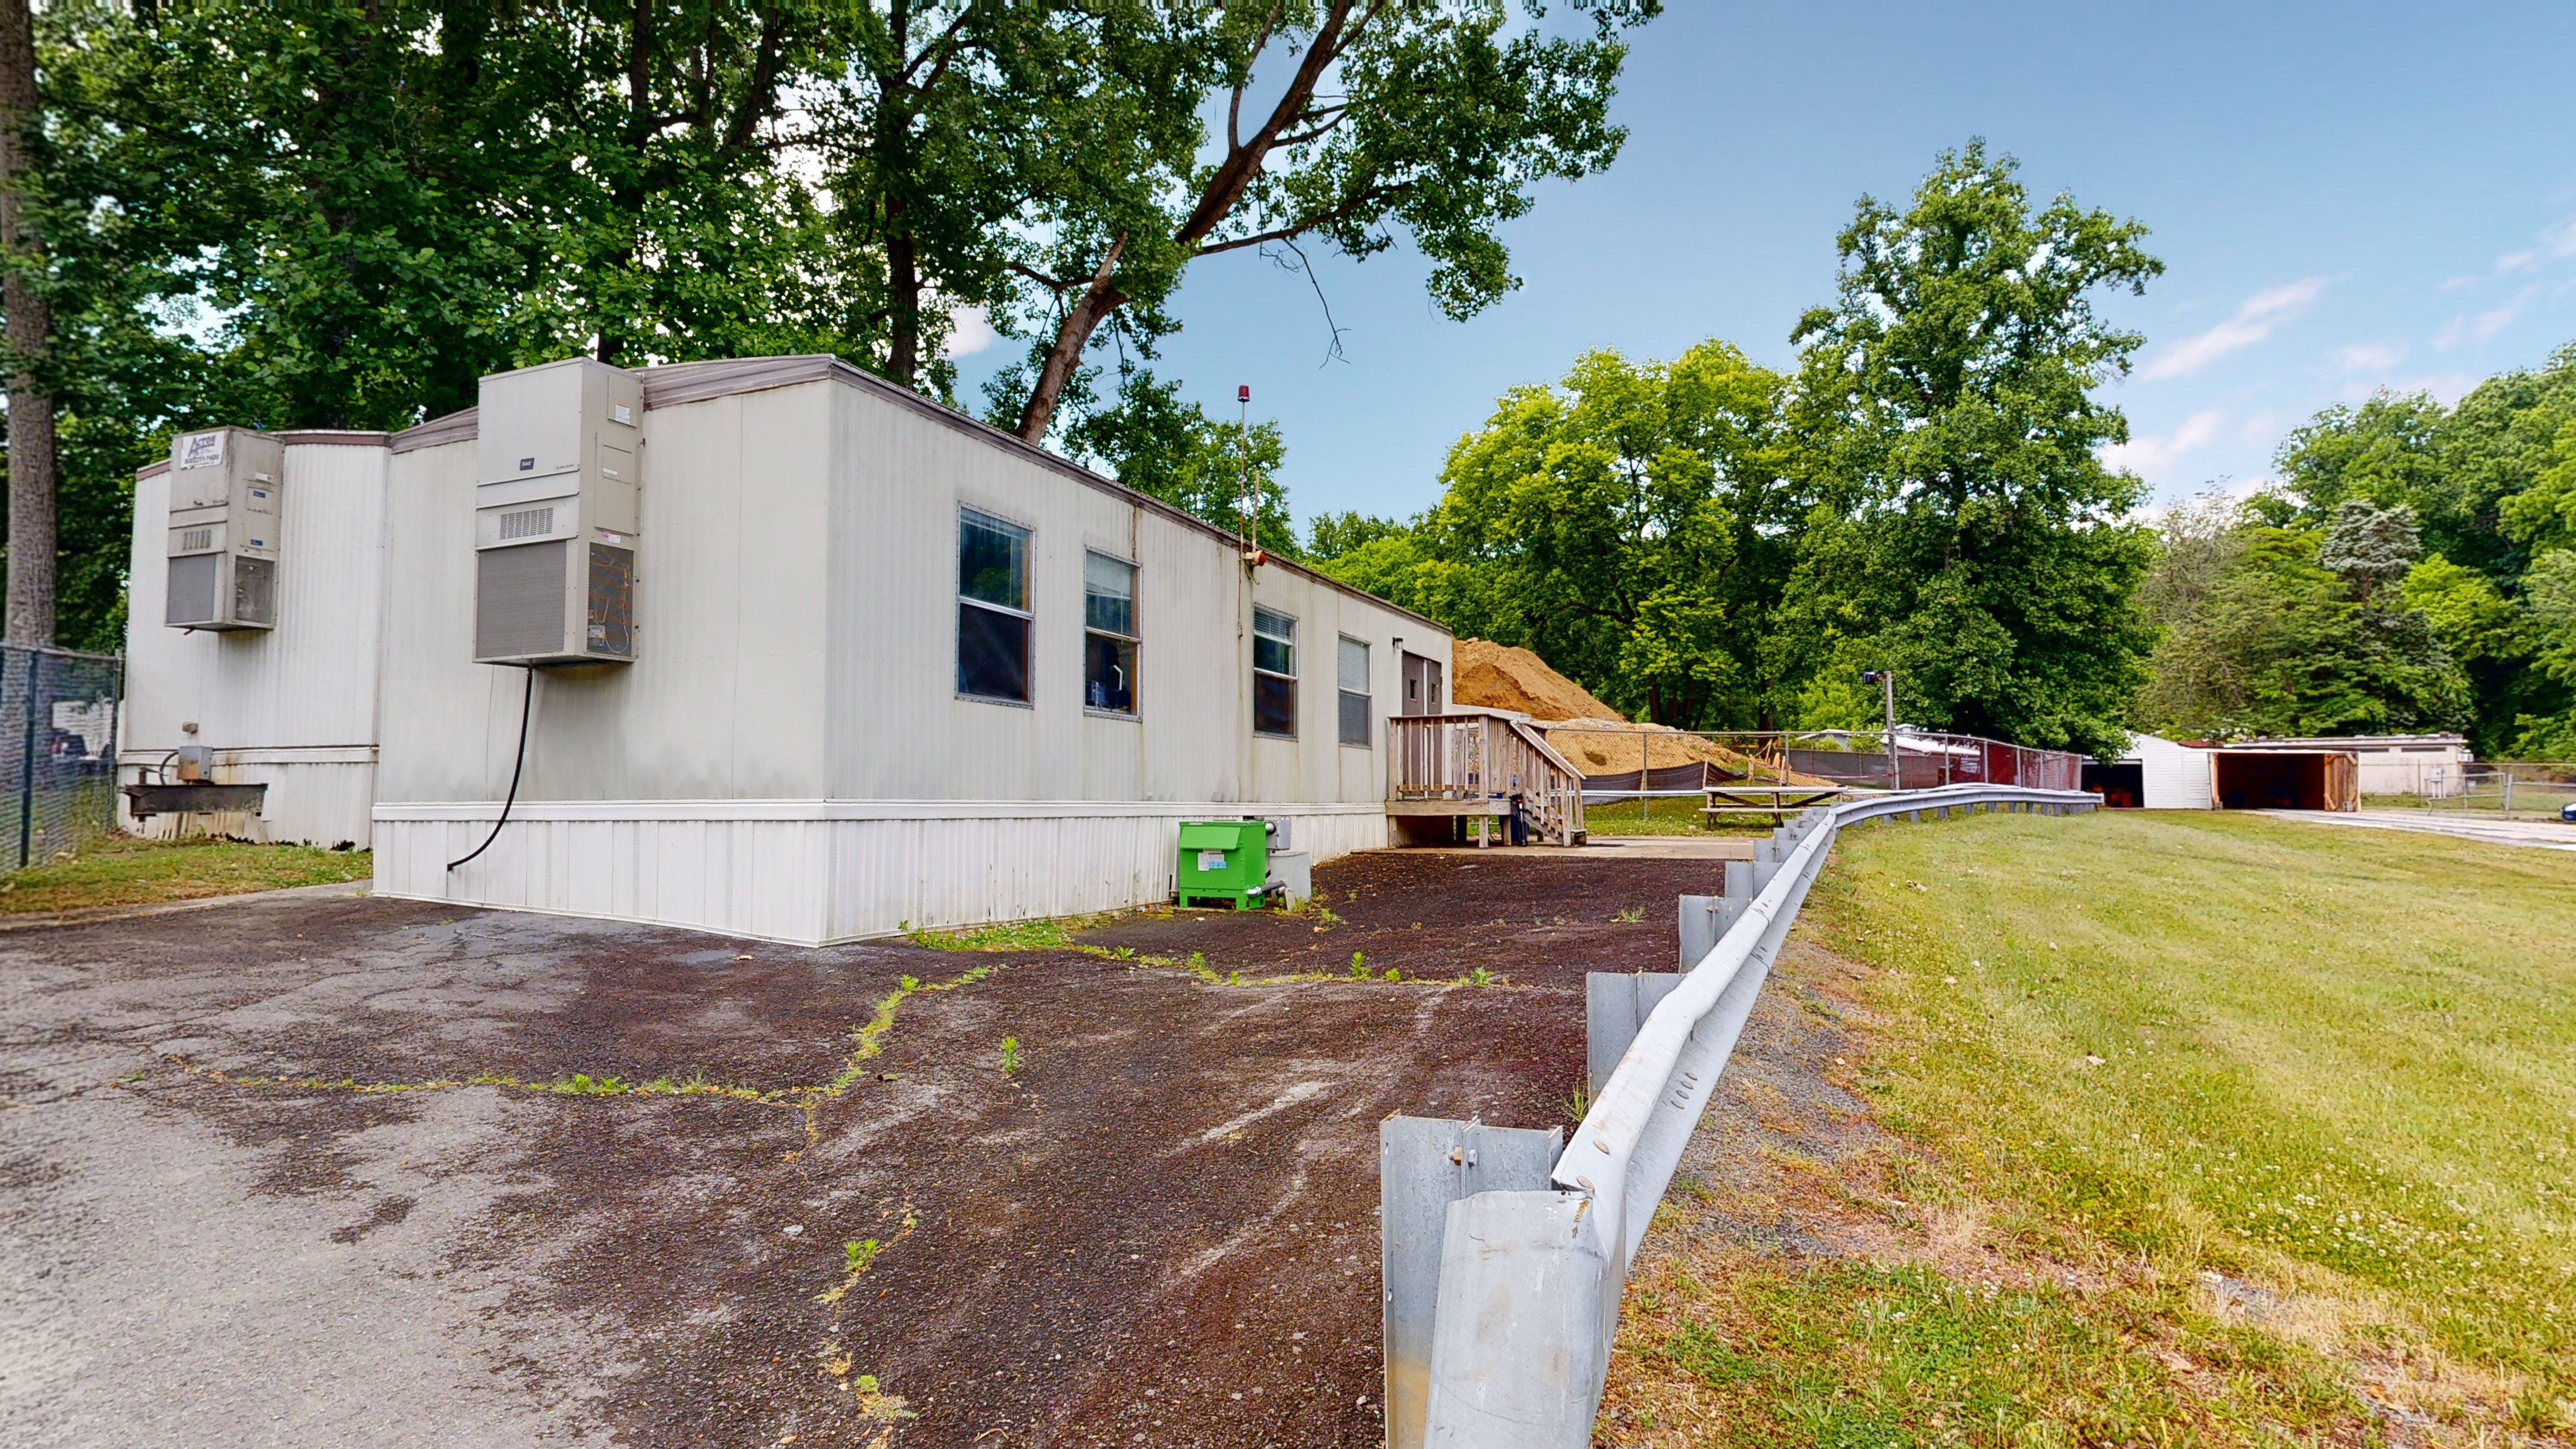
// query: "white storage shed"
[[2156, 774]]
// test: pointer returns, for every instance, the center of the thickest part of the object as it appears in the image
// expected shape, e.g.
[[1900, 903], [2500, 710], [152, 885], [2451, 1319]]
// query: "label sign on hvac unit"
[[1211, 860], [201, 450]]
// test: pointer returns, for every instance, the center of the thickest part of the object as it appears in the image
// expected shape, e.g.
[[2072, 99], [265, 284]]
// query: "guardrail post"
[[1615, 1004], [1528, 1299], [1704, 919], [1424, 1164]]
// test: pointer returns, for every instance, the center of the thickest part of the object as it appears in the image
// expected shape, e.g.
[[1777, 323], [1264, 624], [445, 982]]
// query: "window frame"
[[1027, 699], [1259, 673], [1135, 641], [1342, 695]]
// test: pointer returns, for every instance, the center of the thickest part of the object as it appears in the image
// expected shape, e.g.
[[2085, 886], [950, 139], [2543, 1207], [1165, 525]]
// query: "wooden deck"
[[1480, 765]]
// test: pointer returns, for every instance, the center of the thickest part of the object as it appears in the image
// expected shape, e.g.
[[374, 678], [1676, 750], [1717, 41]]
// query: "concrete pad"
[[2538, 834]]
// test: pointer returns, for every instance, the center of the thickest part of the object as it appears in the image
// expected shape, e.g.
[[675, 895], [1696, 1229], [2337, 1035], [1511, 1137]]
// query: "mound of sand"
[[1495, 676], [1590, 734]]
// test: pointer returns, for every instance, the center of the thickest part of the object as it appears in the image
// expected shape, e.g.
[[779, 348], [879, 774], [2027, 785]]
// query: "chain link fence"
[[57, 750], [2508, 789], [1643, 762]]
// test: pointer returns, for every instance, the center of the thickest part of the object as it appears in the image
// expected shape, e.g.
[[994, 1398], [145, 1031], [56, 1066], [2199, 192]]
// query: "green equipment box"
[[1224, 860]]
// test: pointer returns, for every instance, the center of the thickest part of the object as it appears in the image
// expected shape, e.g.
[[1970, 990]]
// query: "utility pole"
[[1886, 680], [1249, 505]]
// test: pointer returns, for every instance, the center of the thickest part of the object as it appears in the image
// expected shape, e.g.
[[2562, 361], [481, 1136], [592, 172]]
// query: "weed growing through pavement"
[[1579, 1105], [1482, 977], [1632, 915], [1359, 967], [865, 1043], [1045, 934], [1010, 1055], [860, 1254]]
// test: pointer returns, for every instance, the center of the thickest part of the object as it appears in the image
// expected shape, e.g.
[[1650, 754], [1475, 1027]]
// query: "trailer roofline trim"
[[598, 811], [678, 383]]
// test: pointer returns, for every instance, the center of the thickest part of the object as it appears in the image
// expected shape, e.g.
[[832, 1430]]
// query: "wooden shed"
[[2273, 777]]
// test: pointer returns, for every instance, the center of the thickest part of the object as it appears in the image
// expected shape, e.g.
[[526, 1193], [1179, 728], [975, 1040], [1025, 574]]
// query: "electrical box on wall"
[[227, 488], [555, 511]]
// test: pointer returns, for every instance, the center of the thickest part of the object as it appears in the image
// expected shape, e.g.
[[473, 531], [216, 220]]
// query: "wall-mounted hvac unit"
[[226, 487], [555, 504]]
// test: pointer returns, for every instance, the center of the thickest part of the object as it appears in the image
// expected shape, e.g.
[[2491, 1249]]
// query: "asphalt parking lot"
[[322, 1172]]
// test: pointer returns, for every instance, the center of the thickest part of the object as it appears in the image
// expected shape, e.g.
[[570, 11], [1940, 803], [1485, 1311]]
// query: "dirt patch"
[[1540, 921], [1156, 1226]]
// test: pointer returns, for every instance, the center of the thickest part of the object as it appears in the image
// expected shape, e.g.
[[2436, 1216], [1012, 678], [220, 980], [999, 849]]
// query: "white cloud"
[[2485, 324], [2369, 356], [2148, 457], [969, 332], [2556, 242], [2252, 323]]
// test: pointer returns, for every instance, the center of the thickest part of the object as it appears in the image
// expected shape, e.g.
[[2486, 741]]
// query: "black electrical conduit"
[[521, 763]]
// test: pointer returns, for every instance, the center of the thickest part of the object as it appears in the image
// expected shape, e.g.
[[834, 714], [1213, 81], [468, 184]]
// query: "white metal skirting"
[[816, 872]]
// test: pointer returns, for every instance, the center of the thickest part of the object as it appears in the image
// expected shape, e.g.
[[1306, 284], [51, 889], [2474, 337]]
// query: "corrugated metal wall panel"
[[308, 682], [2175, 777]]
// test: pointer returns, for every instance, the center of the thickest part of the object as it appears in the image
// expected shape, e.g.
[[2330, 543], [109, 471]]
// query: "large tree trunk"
[[30, 325], [1099, 298]]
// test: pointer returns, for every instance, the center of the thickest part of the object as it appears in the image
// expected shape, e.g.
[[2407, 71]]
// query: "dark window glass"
[[992, 653], [1109, 673], [1274, 705], [1355, 718], [992, 560], [1351, 672], [1274, 642]]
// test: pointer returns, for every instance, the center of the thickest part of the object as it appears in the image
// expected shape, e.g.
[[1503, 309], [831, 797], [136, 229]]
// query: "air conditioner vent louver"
[[197, 539], [527, 523]]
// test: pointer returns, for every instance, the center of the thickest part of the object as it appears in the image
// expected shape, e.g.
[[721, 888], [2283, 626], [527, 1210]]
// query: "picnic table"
[[1777, 801]]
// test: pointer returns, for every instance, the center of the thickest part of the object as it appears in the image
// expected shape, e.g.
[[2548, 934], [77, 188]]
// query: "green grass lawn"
[[1662, 817], [124, 870], [2266, 1131]]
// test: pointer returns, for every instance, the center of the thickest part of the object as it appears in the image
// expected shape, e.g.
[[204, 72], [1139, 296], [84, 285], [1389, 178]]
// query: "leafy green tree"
[[1156, 443], [1346, 122], [1973, 538], [2550, 592], [2494, 482], [2264, 629], [1616, 524]]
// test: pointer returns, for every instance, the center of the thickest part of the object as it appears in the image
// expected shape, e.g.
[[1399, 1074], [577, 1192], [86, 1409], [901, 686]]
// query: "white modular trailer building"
[[890, 668], [292, 704]]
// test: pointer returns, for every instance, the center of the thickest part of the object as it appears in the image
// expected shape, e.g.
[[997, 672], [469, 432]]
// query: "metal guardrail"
[[1503, 1284]]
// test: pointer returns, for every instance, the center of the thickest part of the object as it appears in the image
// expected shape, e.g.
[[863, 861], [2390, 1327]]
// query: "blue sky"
[[2346, 197]]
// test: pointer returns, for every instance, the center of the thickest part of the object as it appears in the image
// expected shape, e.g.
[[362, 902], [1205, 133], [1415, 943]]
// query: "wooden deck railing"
[[1479, 756]]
